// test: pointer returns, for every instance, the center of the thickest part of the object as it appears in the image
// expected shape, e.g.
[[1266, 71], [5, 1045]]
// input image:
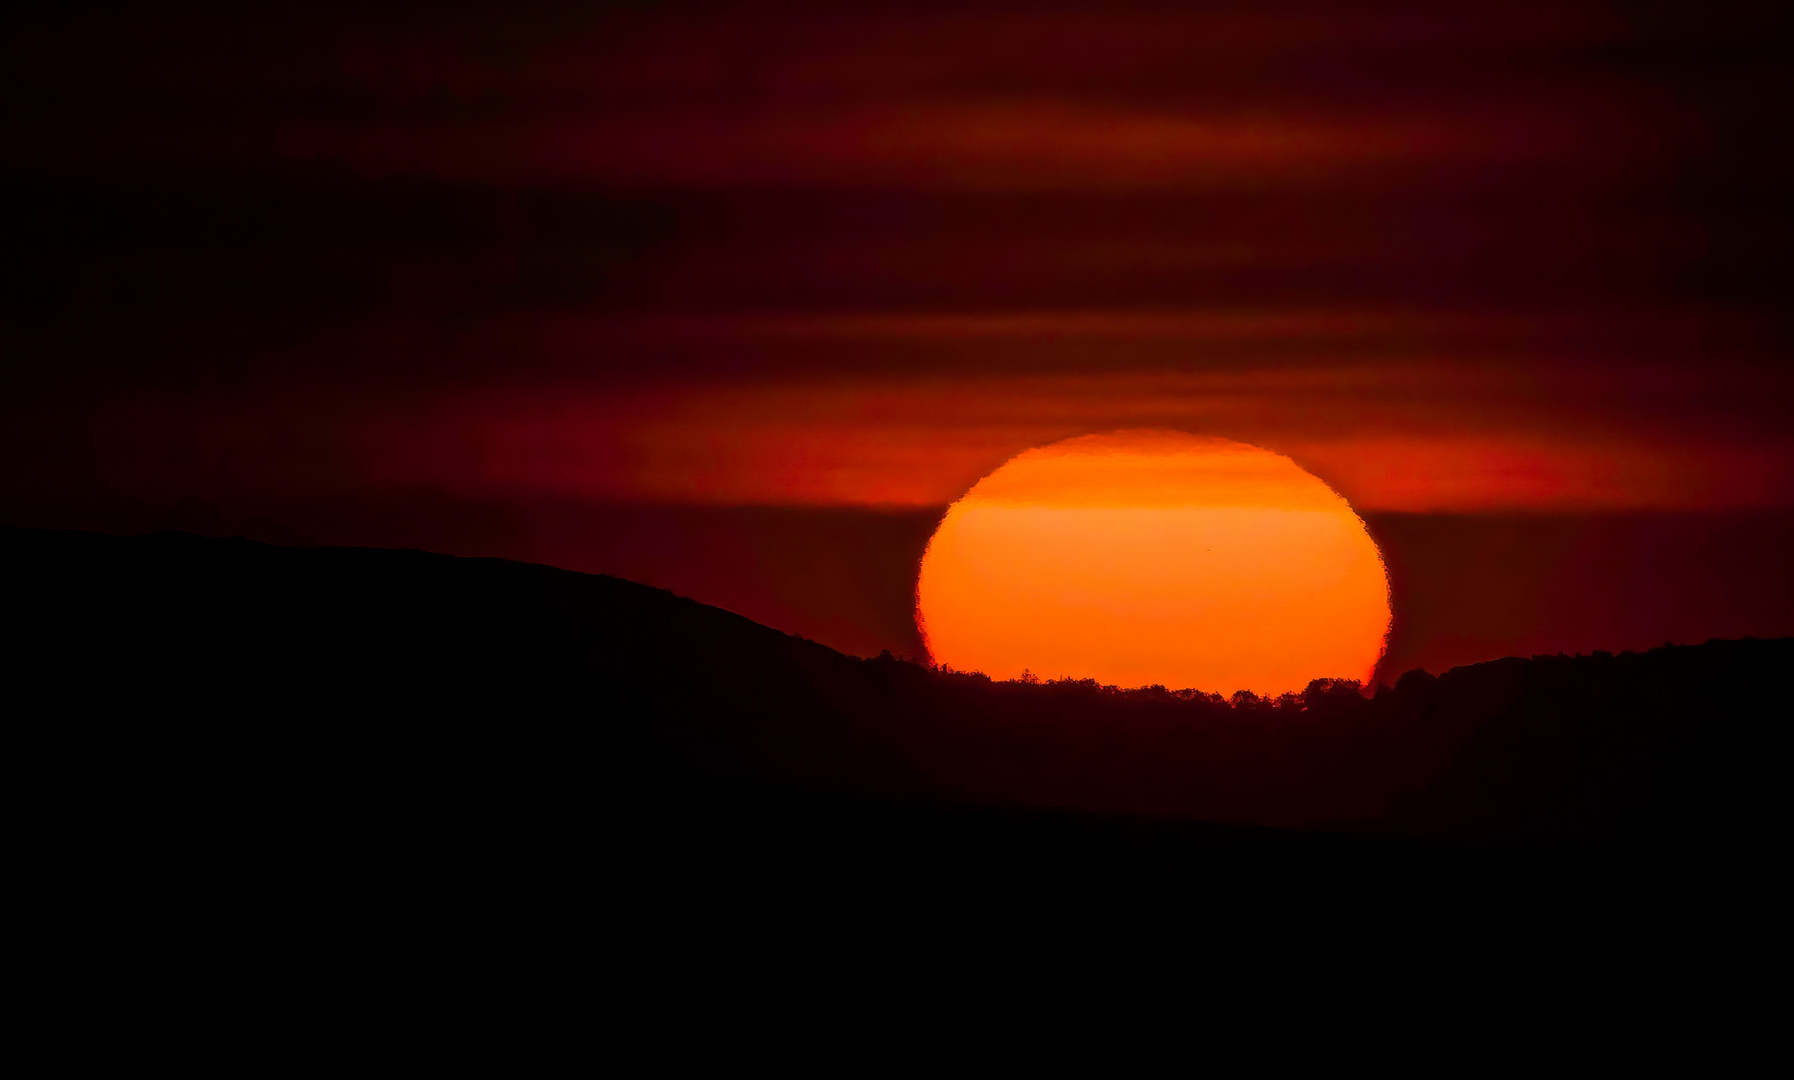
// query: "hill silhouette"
[[371, 782], [198, 674]]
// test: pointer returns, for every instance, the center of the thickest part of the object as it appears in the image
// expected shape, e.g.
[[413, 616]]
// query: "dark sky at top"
[[734, 299]]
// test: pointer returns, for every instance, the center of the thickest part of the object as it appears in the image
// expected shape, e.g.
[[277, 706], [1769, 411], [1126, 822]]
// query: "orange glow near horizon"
[[1155, 557], [1388, 436]]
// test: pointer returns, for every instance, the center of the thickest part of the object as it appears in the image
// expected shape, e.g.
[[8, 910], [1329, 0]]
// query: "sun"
[[1148, 557]]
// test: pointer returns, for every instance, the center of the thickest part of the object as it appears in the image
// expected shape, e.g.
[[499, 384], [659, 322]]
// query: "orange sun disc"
[[1145, 557]]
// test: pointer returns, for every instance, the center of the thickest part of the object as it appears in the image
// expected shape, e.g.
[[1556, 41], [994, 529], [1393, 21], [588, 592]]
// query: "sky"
[[736, 299]]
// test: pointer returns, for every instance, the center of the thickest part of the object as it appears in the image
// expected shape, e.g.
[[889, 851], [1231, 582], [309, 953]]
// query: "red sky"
[[715, 280]]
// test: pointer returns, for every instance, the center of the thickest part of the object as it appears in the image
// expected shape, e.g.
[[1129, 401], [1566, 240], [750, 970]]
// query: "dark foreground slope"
[[387, 701]]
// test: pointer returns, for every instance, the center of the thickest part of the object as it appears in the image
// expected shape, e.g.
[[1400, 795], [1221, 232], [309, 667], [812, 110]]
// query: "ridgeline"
[[237, 691]]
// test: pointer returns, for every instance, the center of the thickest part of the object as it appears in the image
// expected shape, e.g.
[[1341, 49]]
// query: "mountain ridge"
[[428, 680]]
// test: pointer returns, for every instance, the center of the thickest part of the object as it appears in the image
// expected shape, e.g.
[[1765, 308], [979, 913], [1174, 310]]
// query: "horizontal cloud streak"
[[1389, 438]]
